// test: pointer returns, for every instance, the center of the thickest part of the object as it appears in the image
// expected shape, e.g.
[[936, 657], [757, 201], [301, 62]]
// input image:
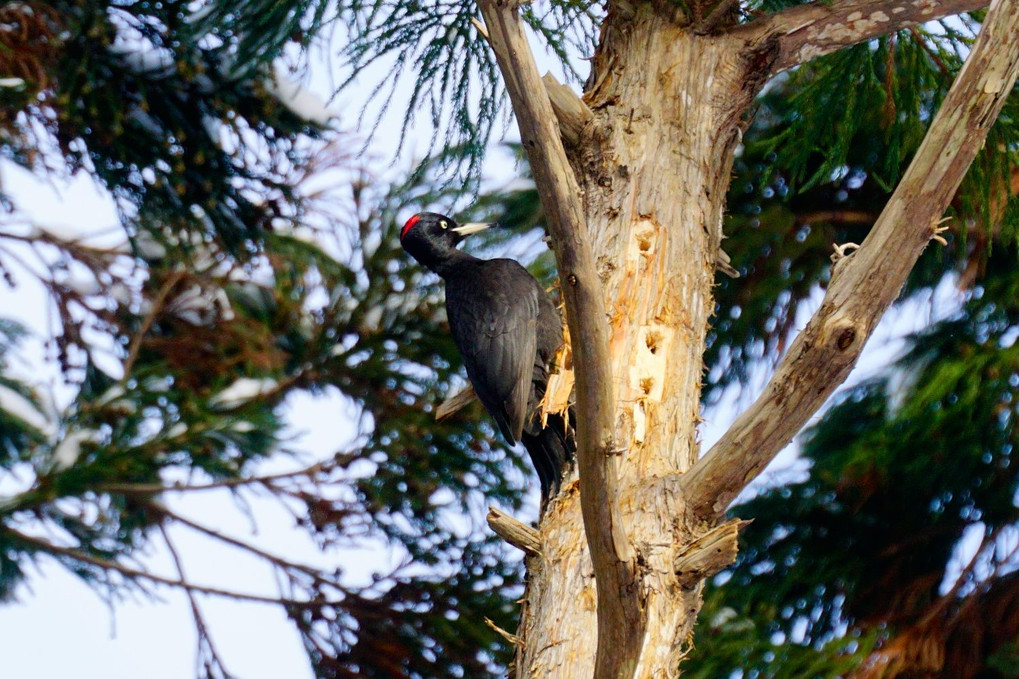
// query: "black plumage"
[[507, 330]]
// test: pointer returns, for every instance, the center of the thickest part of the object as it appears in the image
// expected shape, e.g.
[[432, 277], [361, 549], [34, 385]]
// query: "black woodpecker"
[[508, 332]]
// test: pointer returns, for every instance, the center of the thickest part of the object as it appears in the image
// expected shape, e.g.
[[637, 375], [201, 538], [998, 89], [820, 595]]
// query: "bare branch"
[[207, 653], [512, 638], [866, 283], [709, 553], [157, 308], [518, 534], [723, 263], [570, 110], [235, 542], [620, 623], [177, 486], [808, 31], [455, 402]]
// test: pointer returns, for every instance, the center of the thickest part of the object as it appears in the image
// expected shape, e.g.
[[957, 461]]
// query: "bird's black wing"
[[492, 317]]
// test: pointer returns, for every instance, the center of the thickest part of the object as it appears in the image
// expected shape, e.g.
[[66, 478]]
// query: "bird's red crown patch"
[[409, 225]]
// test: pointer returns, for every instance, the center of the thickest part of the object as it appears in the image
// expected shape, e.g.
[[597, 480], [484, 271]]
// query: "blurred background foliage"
[[257, 259]]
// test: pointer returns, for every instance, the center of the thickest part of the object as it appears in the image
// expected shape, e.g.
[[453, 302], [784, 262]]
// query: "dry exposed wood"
[[724, 264], [867, 282], [559, 390], [709, 553], [515, 532], [455, 402], [620, 621], [725, 10], [811, 30], [571, 112], [652, 169], [654, 166], [512, 638]]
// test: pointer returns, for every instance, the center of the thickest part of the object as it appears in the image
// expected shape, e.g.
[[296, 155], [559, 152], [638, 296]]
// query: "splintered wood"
[[709, 553], [647, 362], [560, 383]]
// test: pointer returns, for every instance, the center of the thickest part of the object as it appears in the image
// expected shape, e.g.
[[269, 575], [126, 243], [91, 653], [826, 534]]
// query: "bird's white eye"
[[443, 223]]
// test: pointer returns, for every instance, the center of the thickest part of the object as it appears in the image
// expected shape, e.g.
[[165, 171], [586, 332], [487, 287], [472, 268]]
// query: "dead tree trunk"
[[634, 178]]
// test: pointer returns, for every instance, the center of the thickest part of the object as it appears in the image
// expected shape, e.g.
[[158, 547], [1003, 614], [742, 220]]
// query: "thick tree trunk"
[[651, 153], [654, 166]]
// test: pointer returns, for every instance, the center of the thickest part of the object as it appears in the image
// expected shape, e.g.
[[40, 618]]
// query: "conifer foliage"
[[254, 260]]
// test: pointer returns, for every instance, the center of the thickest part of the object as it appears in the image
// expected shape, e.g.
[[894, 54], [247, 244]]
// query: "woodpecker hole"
[[646, 384], [845, 339], [605, 267], [643, 241], [652, 339], [572, 278]]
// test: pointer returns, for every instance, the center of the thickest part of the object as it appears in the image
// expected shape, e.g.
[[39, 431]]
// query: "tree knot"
[[843, 333]]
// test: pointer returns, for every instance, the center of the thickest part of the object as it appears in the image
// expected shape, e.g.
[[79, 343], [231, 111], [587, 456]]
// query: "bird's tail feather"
[[552, 449]]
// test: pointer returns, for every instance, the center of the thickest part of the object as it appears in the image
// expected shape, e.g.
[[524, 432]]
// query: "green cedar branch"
[[620, 623], [70, 554], [309, 472], [867, 282], [812, 30]]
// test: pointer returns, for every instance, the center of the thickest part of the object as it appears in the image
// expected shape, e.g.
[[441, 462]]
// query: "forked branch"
[[866, 283], [620, 624]]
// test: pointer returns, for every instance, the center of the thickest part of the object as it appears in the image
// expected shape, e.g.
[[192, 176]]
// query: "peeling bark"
[[812, 30]]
